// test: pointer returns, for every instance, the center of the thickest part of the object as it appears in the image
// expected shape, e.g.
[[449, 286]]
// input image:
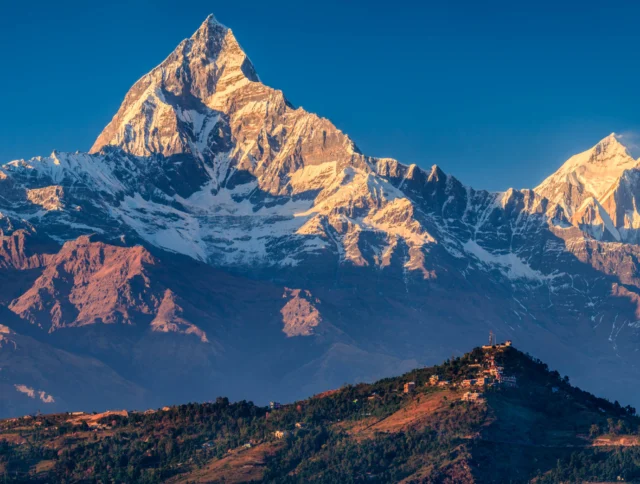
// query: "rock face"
[[218, 240], [300, 316]]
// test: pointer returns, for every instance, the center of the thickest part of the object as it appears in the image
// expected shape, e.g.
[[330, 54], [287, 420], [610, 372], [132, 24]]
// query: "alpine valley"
[[217, 240]]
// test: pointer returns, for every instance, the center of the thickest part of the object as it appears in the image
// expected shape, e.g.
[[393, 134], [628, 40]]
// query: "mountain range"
[[218, 240]]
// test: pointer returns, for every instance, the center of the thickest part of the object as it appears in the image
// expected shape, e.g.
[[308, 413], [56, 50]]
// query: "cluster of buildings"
[[489, 374], [435, 381], [475, 382], [496, 373], [281, 434]]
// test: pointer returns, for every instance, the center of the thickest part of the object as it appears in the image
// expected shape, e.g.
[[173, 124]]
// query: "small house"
[[409, 387], [471, 397]]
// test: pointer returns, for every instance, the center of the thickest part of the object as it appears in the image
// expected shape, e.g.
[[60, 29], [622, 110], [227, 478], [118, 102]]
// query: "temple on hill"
[[492, 373], [494, 344], [489, 373]]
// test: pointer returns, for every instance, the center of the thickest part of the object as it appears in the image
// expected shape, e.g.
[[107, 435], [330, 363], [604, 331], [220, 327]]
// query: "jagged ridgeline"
[[217, 240], [492, 415]]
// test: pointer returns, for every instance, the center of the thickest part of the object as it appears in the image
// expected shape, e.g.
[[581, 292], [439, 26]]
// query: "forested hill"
[[492, 415]]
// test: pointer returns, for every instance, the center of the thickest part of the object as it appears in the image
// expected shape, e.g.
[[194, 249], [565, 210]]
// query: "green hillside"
[[493, 415]]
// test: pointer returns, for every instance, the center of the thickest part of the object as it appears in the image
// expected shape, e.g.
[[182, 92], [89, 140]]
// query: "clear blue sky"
[[496, 93]]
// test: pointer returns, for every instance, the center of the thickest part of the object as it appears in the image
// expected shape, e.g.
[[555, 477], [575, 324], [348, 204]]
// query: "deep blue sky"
[[496, 93]]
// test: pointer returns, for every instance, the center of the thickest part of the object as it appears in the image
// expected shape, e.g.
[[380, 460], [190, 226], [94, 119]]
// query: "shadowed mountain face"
[[218, 240]]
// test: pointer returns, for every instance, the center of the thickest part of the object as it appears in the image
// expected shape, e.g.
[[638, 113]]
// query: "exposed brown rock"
[[89, 282], [299, 314]]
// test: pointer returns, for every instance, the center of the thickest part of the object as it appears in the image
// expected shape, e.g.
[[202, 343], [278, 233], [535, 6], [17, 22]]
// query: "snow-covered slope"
[[340, 258], [591, 173], [205, 160], [587, 188]]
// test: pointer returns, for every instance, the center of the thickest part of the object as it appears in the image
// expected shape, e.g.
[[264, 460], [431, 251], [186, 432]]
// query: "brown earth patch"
[[93, 419], [239, 465], [412, 416], [328, 393], [618, 441], [15, 439], [45, 466]]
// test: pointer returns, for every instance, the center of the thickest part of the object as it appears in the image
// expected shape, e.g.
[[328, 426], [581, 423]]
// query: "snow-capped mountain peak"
[[172, 109], [588, 174], [218, 42], [595, 191]]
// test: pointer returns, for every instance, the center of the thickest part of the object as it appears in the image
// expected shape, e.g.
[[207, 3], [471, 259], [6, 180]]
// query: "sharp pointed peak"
[[211, 23], [210, 31], [212, 38], [610, 145], [595, 169], [211, 19], [211, 61], [436, 173], [437, 169]]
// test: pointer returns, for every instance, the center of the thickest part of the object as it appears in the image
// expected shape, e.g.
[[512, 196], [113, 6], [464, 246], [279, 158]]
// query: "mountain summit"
[[218, 240], [169, 110], [591, 173], [595, 190]]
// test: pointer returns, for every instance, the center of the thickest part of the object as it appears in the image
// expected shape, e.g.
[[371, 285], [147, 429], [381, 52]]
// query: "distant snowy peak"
[[591, 173], [594, 191]]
